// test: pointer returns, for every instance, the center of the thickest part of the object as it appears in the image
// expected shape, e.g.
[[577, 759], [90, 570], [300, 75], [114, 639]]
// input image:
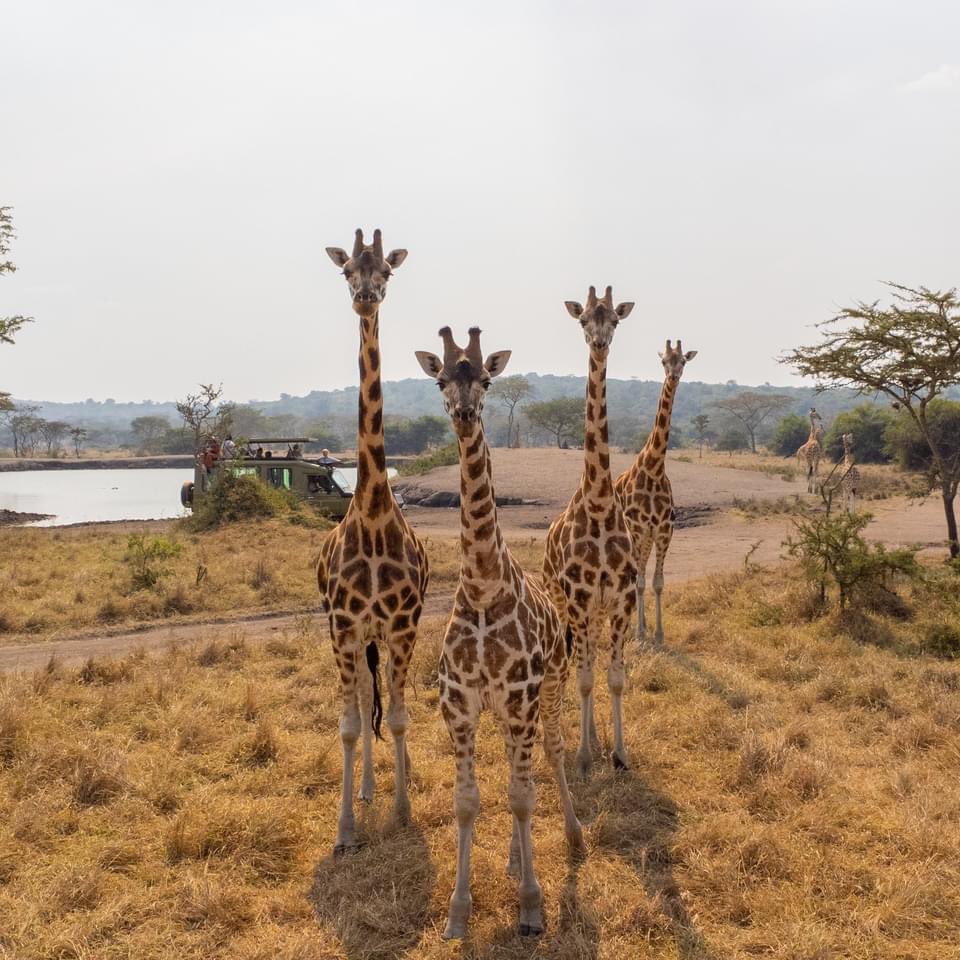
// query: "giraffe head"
[[848, 442], [367, 271], [463, 377], [674, 360], [599, 318]]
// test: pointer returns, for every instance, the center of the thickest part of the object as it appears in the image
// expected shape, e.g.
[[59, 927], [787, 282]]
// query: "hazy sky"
[[738, 169]]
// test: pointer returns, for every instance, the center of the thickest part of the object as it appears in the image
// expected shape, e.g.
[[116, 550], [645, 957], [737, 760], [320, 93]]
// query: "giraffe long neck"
[[372, 492], [483, 555], [654, 452], [596, 483]]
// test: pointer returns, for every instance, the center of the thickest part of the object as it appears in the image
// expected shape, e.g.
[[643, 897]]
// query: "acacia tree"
[[752, 409], [203, 415], [701, 430], [78, 435], [9, 326], [510, 392], [910, 351], [562, 418], [148, 431]]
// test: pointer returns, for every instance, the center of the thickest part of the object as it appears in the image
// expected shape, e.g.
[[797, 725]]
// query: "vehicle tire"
[[186, 494]]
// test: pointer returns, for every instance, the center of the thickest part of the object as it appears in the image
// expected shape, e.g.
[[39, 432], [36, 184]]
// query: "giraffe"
[[812, 451], [503, 648], [850, 480], [645, 492], [372, 570], [588, 563]]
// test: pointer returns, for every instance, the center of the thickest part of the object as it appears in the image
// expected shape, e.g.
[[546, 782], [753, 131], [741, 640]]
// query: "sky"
[[738, 170]]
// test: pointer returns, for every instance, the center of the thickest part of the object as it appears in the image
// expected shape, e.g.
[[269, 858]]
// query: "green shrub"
[[146, 559], [440, 457], [833, 551], [793, 431], [943, 640], [231, 498]]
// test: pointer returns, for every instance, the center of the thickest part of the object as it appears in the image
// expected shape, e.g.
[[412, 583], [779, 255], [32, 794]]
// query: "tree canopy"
[[752, 410], [561, 418], [908, 350]]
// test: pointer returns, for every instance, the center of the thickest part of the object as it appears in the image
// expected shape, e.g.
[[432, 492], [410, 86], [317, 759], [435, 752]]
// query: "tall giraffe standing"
[[503, 648], [646, 495], [850, 480], [372, 570], [811, 452], [588, 564]]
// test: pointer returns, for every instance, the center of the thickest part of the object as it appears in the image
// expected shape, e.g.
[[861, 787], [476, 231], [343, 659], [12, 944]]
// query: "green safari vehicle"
[[317, 481]]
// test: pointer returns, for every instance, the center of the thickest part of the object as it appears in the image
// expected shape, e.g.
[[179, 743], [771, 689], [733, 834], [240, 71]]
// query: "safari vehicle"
[[317, 481]]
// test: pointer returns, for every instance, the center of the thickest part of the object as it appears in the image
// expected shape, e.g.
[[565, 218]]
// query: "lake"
[[83, 496]]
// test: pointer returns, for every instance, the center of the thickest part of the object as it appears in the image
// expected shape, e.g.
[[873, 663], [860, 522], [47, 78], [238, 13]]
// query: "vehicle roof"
[[282, 440]]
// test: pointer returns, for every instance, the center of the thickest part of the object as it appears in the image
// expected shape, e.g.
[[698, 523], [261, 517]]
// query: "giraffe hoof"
[[619, 763], [582, 767], [575, 844], [531, 929], [342, 850]]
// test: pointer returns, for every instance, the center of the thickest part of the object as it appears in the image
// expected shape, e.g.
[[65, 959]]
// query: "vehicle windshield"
[[342, 482]]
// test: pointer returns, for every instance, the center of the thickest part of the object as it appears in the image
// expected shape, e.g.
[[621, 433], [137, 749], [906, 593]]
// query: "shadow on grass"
[[637, 823], [577, 935], [378, 900]]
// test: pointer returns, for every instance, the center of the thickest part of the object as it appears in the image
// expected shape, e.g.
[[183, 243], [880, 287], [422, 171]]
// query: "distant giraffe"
[[850, 479], [645, 492], [588, 564], [503, 648], [811, 452], [372, 571]]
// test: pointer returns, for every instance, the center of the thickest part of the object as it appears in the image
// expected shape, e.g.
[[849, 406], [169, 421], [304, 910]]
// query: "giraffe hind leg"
[[585, 652], [616, 680], [663, 544], [347, 653], [401, 651]]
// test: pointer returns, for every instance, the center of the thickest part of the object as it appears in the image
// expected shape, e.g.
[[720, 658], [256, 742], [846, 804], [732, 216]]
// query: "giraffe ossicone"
[[588, 563], [372, 570], [503, 648]]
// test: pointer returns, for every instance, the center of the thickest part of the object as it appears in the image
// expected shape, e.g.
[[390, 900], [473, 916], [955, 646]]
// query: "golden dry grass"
[[793, 796], [54, 581]]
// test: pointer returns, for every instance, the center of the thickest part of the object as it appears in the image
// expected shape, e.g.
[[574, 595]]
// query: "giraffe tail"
[[373, 662]]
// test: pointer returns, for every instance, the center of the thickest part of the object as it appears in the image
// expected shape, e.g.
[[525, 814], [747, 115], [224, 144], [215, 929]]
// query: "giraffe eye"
[[486, 385], [439, 384]]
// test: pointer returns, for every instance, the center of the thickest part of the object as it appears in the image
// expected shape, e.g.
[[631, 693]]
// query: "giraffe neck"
[[654, 452], [596, 482], [372, 488], [483, 555]]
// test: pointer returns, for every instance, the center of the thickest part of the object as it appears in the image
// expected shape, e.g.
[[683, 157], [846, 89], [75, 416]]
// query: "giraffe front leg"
[[522, 801], [401, 652], [616, 679], [365, 696], [346, 649], [663, 544], [585, 657], [551, 701], [641, 623], [466, 806]]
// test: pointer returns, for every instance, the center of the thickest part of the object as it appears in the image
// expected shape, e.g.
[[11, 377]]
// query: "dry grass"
[[793, 796], [53, 581]]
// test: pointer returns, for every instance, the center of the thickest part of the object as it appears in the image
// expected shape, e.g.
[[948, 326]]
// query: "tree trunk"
[[949, 496]]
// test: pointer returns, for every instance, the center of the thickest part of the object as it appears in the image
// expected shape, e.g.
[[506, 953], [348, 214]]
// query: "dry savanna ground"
[[793, 795]]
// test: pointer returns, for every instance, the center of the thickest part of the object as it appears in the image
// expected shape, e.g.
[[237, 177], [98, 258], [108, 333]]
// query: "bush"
[[833, 551], [792, 432], [147, 558], [906, 445], [869, 425], [441, 457], [232, 498]]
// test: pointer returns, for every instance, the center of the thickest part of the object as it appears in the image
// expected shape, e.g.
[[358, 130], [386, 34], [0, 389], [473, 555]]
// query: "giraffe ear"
[[338, 255], [573, 308], [430, 363], [689, 355], [496, 363], [396, 257], [623, 309]]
